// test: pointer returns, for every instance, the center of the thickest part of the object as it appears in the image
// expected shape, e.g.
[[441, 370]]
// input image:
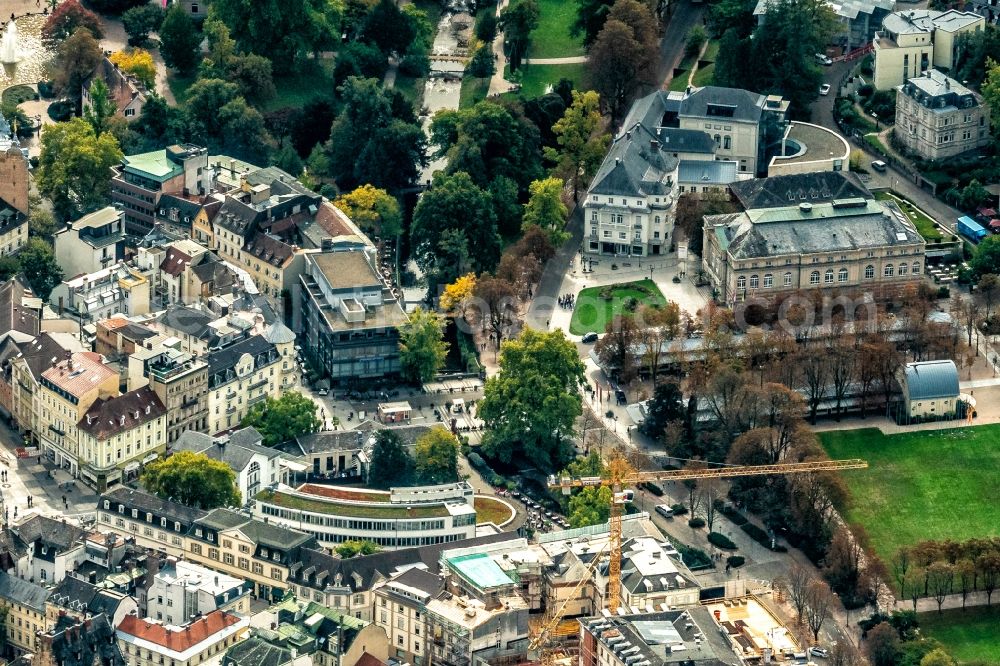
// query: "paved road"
[[686, 15]]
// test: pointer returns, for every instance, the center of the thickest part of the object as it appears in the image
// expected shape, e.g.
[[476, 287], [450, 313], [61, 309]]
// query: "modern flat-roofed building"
[[91, 243], [182, 590], [938, 117], [654, 638], [116, 289], [915, 40]]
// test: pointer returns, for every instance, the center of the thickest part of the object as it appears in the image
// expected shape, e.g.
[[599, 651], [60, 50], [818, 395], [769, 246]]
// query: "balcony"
[[259, 398], [189, 402], [257, 385], [231, 409]]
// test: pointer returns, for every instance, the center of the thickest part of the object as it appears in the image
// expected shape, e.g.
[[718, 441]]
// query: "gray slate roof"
[[49, 532], [633, 168], [707, 172], [255, 651], [188, 320], [22, 592], [709, 101], [675, 139], [927, 380], [149, 503], [790, 190], [236, 452]]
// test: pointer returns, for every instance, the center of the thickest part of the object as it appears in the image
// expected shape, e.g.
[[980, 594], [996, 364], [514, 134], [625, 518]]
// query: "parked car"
[[819, 652], [322, 391], [824, 89], [824, 59], [664, 511], [879, 165], [589, 337]]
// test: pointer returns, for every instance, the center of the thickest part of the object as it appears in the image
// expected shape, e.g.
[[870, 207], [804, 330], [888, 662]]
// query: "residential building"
[[256, 466], [26, 368], [81, 599], [401, 611], [938, 117], [53, 548], [182, 590], [118, 435], [808, 148], [145, 643], [841, 247], [180, 380], [125, 91], [664, 637], [152, 522], [464, 631], [915, 40], [652, 577], [116, 289], [398, 518], [20, 310], [930, 390], [704, 177], [91, 243], [22, 614], [78, 641], [13, 229], [350, 317], [66, 392], [240, 376], [858, 20], [206, 277], [14, 183], [118, 337], [173, 270], [193, 327]]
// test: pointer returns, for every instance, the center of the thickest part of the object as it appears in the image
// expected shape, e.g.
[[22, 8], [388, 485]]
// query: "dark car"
[[589, 337]]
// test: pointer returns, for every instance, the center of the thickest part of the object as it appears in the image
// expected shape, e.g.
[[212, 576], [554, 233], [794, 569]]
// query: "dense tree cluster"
[[193, 479], [282, 419]]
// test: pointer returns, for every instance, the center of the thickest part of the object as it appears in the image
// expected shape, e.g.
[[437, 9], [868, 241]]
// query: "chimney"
[[654, 145]]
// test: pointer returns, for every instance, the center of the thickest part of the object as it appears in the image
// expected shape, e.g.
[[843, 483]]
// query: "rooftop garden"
[[924, 224], [334, 492], [489, 510], [386, 512]]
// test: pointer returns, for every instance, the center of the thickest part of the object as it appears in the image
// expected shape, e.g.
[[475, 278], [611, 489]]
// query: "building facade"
[[182, 590], [181, 383], [145, 643], [23, 606], [938, 117], [240, 376], [913, 41], [91, 243], [117, 289], [930, 389]]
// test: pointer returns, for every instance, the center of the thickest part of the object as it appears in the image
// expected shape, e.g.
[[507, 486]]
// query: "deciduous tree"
[[352, 548], [74, 169], [140, 21], [623, 57], [883, 645], [137, 62], [101, 108], [192, 479], [282, 419], [422, 349], [456, 295], [373, 209], [495, 305], [546, 210], [617, 348], [39, 267], [517, 21], [437, 456], [75, 61], [391, 465], [179, 40], [582, 143], [67, 18], [819, 606], [590, 506]]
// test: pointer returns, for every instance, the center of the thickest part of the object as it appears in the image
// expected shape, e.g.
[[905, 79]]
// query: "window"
[[814, 277], [741, 282], [842, 275], [754, 281], [916, 267], [788, 279], [869, 272], [888, 270], [828, 276], [768, 280], [227, 558], [902, 269], [727, 143]]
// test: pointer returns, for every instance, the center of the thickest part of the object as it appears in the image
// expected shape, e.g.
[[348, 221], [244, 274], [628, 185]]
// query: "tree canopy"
[[352, 548], [546, 210], [193, 479], [582, 144], [281, 419], [422, 349], [986, 260], [179, 41], [74, 168], [517, 20], [624, 55], [67, 18], [373, 209], [39, 266], [391, 465], [437, 456], [530, 405]]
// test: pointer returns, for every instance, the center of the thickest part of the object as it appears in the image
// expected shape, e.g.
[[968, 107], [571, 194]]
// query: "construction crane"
[[621, 473]]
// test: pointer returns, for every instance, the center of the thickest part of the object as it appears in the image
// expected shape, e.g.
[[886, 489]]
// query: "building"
[[938, 117], [117, 337], [841, 247], [401, 611], [464, 631], [118, 435], [66, 392], [652, 577], [152, 522], [701, 177], [91, 243], [350, 317], [240, 376], [657, 638], [125, 91], [13, 229], [814, 188], [930, 390], [145, 643], [177, 259], [915, 40], [53, 548], [78, 641], [14, 182], [808, 148], [193, 327], [26, 368], [398, 518], [858, 19], [180, 381], [20, 310], [80, 599], [22, 605], [256, 466], [182, 590], [116, 289]]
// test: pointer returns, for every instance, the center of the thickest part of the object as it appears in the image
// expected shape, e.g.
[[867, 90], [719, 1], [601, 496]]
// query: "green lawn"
[[489, 510], [704, 75], [474, 90], [179, 85], [925, 225], [680, 80], [593, 312], [876, 143], [535, 78], [552, 38], [937, 484], [969, 635], [299, 89]]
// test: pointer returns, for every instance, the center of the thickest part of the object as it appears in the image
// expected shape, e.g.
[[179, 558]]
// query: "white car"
[[819, 652], [824, 89]]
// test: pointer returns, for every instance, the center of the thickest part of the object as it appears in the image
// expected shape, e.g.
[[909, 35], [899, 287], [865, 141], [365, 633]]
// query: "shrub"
[[46, 90], [694, 558], [732, 514], [679, 509], [62, 110], [696, 523], [943, 292], [653, 488], [721, 541], [866, 90], [735, 561], [756, 533]]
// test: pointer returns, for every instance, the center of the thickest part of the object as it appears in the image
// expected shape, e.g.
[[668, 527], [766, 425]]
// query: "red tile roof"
[[178, 640], [368, 659], [175, 261], [79, 376]]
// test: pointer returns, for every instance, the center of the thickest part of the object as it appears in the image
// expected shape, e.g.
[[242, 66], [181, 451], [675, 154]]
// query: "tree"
[[940, 576], [546, 210], [140, 21], [883, 645], [137, 62], [252, 74], [101, 108], [179, 41], [623, 57], [517, 21], [456, 295], [482, 64], [696, 39], [74, 168], [590, 506], [113, 7], [494, 303], [989, 572], [359, 59], [617, 347], [937, 657], [532, 402], [437, 456], [819, 606], [486, 27], [373, 209], [388, 28], [204, 100], [965, 573], [665, 407], [797, 582], [590, 18], [988, 289], [75, 61], [282, 419], [422, 349], [391, 465], [986, 259], [67, 18], [243, 134], [353, 548], [192, 479], [39, 267], [582, 144], [991, 94], [712, 493]]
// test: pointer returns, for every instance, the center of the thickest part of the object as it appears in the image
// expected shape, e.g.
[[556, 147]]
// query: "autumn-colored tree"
[[582, 144], [456, 295], [624, 55], [437, 456], [373, 209], [137, 62], [495, 300], [67, 17], [617, 348]]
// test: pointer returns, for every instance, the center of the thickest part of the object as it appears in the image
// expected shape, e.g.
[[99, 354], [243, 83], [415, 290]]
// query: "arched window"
[[916, 267], [828, 276], [869, 272], [754, 281], [888, 270], [842, 275], [718, 140], [768, 280], [788, 279], [902, 269], [741, 282], [814, 277]]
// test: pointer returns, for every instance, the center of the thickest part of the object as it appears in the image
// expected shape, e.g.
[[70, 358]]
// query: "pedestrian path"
[[568, 60]]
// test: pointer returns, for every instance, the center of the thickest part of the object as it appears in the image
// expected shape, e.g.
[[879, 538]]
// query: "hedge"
[[694, 558], [679, 509], [721, 541], [732, 514], [653, 488], [735, 561], [761, 537], [696, 522], [467, 351]]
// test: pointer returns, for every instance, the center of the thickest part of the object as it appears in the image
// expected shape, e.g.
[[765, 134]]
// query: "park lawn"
[[536, 78], [876, 143], [704, 75], [969, 635], [297, 90], [474, 90], [936, 484], [925, 225], [179, 85], [592, 312], [552, 38], [680, 80]]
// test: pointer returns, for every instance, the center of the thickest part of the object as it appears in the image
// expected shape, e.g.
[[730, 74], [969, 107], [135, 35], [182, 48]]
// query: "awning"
[[131, 467], [294, 466], [150, 458]]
